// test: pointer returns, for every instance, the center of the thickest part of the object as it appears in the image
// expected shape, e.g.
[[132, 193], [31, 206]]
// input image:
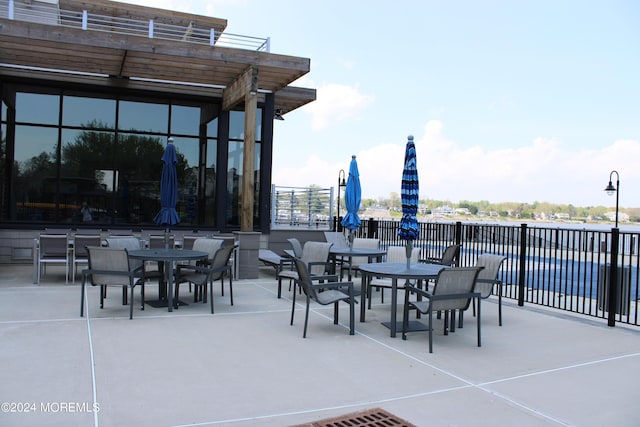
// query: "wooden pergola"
[[121, 56]]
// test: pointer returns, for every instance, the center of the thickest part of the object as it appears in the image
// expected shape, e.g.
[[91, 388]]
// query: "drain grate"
[[370, 418]]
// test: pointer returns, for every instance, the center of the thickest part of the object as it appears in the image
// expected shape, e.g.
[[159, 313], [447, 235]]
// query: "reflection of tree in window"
[[133, 166]]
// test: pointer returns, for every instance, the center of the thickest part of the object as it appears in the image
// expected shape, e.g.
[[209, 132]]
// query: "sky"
[[507, 100]]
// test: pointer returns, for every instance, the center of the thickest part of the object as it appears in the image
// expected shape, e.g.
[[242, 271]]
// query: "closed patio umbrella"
[[168, 189], [408, 229], [352, 196]]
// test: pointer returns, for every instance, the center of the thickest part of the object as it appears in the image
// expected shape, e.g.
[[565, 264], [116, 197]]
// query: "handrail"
[[51, 14], [561, 268]]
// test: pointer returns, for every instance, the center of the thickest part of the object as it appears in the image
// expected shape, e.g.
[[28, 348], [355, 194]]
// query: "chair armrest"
[[414, 289], [327, 277], [335, 285]]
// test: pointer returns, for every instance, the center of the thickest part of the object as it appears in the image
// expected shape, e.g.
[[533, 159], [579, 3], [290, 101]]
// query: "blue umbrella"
[[168, 188], [352, 196], [408, 229]]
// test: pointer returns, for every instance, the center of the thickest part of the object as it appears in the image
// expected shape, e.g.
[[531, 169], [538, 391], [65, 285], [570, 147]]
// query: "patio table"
[[168, 257], [395, 271], [348, 252]]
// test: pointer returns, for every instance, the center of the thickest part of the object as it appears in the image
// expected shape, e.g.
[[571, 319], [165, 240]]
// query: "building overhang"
[[117, 56]]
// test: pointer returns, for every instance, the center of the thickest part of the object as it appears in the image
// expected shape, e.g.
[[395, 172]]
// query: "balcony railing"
[[561, 268], [51, 14], [297, 207]]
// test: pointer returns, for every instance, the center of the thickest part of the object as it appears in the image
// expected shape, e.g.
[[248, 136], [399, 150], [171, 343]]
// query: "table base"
[[163, 303], [414, 326]]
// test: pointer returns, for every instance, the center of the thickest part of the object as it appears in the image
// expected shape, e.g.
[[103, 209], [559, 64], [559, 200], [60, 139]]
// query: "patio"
[[245, 366]]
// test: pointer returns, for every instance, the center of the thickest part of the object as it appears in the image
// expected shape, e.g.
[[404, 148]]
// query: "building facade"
[[91, 92]]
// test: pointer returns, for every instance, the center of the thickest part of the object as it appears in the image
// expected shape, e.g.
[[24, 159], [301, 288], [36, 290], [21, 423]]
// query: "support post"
[[613, 277]]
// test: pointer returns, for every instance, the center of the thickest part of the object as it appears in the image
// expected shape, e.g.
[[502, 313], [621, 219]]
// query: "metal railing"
[[298, 207], [50, 14], [561, 268]]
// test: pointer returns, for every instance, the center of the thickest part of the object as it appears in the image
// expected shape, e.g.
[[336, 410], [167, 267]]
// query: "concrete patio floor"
[[246, 366]]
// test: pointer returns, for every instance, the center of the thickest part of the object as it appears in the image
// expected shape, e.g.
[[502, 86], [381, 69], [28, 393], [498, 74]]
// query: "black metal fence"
[[563, 268]]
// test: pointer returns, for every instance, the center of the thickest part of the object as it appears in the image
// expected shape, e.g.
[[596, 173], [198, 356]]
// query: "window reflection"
[[141, 116], [188, 151], [185, 120], [87, 176], [37, 108], [114, 168], [35, 160], [88, 112]]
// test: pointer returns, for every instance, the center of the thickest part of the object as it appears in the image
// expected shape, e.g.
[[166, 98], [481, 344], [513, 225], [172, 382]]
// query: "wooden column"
[[248, 162], [245, 87]]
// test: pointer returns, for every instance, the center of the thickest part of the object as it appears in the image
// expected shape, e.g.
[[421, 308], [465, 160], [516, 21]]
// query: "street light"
[[612, 304], [341, 183], [611, 190]]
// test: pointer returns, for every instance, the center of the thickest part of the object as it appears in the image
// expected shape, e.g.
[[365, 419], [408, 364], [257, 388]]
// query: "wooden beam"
[[246, 83], [248, 163]]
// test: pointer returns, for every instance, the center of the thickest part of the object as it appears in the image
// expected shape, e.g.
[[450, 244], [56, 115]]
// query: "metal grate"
[[370, 418]]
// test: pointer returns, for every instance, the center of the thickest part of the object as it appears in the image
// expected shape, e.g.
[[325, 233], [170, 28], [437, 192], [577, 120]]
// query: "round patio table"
[[395, 271], [168, 256]]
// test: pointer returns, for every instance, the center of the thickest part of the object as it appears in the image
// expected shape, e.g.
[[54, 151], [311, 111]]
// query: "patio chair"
[[189, 239], [488, 278], [356, 261], [450, 257], [203, 244], [131, 243], [200, 275], [53, 249], [111, 267], [338, 240], [394, 254], [324, 294], [315, 255], [296, 247], [453, 290], [80, 253]]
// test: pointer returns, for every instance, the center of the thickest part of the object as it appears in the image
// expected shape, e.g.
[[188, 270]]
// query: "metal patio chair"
[[324, 294], [453, 290]]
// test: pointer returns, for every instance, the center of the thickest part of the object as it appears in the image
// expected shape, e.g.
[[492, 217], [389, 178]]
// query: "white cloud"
[[541, 171], [336, 103]]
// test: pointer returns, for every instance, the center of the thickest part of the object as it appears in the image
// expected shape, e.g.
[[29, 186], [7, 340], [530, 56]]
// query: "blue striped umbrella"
[[168, 188], [409, 229], [352, 196]]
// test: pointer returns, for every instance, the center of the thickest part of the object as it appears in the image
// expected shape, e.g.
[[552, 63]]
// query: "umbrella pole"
[[166, 237], [409, 251], [350, 239]]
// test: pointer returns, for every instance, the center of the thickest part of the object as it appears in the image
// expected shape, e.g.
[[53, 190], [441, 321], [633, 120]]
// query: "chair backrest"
[[488, 276], [316, 252], [399, 254], [452, 281], [297, 247], [220, 259], [360, 242], [336, 238], [108, 259], [451, 255], [304, 277], [189, 239], [53, 246], [81, 241], [157, 241], [128, 243], [207, 245]]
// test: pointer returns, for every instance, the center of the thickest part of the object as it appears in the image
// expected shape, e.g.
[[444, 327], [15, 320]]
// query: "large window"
[[71, 150]]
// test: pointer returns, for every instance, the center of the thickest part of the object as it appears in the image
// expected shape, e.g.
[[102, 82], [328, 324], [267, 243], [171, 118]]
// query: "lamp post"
[[341, 183], [611, 190], [612, 292]]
